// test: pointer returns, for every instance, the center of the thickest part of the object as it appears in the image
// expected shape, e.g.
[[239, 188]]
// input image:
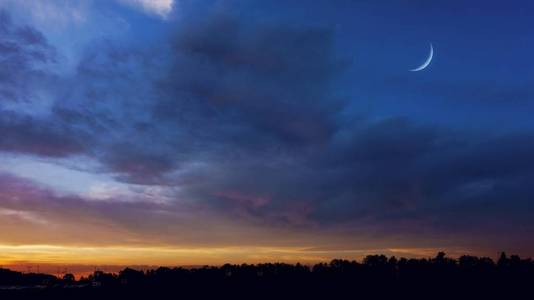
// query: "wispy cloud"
[[157, 7], [26, 216], [51, 14]]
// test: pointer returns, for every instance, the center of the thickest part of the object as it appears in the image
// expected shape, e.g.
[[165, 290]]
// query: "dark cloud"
[[453, 182], [257, 83], [31, 135], [24, 51], [261, 88], [24, 77]]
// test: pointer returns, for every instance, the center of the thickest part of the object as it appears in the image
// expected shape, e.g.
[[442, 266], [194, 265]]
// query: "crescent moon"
[[427, 62]]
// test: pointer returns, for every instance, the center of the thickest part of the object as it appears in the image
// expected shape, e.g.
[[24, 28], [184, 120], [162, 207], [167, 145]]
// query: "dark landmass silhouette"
[[376, 277]]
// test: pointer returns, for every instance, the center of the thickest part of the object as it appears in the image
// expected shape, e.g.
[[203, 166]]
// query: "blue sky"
[[279, 124]]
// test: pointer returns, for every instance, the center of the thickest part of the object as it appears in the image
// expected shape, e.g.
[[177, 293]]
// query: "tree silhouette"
[[69, 278], [377, 277]]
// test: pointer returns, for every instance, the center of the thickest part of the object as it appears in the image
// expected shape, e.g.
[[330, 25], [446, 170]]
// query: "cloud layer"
[[240, 124]]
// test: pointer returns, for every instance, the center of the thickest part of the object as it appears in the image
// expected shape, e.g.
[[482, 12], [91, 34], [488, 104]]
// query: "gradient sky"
[[203, 132]]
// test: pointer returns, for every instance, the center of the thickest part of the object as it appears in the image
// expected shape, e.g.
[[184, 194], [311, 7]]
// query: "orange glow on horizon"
[[173, 256]]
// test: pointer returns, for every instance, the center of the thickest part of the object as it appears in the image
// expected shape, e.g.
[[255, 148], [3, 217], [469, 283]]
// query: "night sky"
[[203, 132]]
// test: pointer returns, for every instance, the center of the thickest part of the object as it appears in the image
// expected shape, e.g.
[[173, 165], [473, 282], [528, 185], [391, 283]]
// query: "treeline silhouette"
[[376, 277]]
